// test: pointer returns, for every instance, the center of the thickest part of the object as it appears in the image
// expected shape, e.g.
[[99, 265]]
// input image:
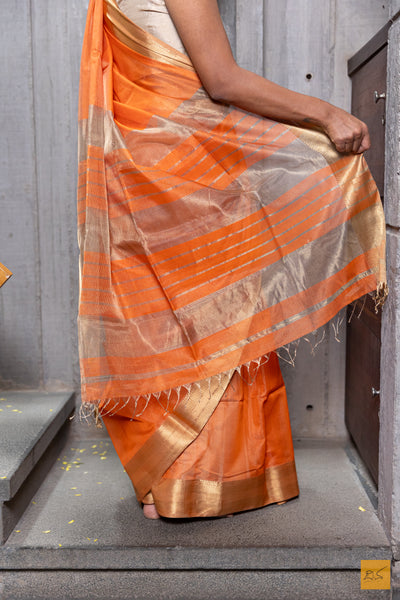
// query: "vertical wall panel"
[[228, 13], [250, 35], [57, 29], [298, 42], [20, 326]]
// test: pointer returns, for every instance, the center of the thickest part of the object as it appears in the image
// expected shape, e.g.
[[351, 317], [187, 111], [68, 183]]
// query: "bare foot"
[[150, 511]]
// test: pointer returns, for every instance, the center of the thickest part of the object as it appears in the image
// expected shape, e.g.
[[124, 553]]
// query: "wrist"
[[321, 113]]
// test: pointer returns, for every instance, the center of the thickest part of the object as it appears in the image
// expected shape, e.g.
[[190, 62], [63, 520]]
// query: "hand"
[[348, 134]]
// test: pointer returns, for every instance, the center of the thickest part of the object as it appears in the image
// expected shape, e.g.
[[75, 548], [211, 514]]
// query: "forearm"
[[261, 96]]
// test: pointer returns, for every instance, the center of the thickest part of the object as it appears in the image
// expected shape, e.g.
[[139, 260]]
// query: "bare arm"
[[200, 27]]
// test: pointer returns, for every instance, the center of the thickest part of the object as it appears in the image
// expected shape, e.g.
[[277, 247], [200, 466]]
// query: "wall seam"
[[37, 261]]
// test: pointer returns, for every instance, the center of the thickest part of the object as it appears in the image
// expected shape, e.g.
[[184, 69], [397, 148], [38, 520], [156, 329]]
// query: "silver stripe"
[[271, 227]]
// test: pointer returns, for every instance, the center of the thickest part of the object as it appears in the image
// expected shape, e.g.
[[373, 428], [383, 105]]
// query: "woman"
[[211, 234]]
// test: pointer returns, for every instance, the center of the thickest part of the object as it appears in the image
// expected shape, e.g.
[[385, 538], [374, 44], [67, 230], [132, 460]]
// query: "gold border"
[[141, 41], [200, 498], [180, 428]]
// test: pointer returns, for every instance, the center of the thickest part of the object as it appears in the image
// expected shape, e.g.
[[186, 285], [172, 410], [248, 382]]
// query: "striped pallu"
[[209, 236]]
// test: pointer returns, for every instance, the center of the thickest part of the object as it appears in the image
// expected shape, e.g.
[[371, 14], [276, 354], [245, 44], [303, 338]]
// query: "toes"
[[150, 511]]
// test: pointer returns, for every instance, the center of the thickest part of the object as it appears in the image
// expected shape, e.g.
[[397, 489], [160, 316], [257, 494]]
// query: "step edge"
[[183, 558], [32, 455]]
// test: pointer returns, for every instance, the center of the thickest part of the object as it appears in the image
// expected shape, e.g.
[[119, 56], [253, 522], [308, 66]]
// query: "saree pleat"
[[209, 238], [242, 457]]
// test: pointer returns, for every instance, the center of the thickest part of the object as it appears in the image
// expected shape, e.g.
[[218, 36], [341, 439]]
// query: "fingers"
[[356, 144], [365, 143], [349, 134]]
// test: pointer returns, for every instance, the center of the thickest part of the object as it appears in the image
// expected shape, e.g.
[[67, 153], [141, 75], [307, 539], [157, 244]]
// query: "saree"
[[209, 238]]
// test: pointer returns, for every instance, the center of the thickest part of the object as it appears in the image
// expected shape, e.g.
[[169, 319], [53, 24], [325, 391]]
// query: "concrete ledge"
[[142, 585], [28, 423], [11, 511], [186, 558]]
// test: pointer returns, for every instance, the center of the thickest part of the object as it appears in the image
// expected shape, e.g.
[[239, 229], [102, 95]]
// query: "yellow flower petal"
[[103, 457], [95, 446], [3, 477], [361, 508], [72, 521], [78, 494], [47, 531]]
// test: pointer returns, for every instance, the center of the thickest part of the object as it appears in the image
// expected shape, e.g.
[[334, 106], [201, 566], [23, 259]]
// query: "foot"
[[150, 511]]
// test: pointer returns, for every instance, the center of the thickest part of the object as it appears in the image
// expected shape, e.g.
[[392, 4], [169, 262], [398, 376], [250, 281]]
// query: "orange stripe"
[[279, 221], [235, 163], [304, 214], [224, 129], [224, 279], [298, 236], [238, 225]]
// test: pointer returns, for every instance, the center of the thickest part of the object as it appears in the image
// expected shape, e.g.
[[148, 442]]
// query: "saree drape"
[[209, 238]]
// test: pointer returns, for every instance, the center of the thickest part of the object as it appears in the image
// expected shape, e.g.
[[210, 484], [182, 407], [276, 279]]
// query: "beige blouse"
[[153, 16]]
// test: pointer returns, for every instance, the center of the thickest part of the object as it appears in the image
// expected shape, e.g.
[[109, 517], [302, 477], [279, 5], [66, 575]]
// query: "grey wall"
[[41, 44], [41, 41]]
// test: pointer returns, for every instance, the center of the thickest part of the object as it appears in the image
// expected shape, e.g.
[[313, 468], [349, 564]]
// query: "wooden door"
[[368, 73]]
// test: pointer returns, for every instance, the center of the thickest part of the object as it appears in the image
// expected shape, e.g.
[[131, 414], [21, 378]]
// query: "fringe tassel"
[[382, 292], [97, 418]]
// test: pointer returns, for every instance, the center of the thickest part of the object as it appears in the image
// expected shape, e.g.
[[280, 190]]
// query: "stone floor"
[[85, 519]]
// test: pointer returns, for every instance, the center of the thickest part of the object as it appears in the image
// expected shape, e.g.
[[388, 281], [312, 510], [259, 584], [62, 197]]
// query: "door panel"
[[368, 72]]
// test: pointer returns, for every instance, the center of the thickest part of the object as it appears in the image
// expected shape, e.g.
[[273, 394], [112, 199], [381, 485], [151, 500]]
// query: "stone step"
[[29, 421], [85, 519]]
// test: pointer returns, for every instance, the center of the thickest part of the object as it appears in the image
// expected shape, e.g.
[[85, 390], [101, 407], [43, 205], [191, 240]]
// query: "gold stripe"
[[179, 429], [317, 140], [148, 499], [200, 498], [141, 41]]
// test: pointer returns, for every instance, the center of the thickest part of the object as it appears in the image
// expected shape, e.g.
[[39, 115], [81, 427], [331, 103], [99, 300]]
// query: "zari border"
[[199, 498], [179, 429]]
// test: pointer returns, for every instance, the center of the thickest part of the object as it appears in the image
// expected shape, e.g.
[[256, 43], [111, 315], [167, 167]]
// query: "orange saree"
[[209, 238]]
